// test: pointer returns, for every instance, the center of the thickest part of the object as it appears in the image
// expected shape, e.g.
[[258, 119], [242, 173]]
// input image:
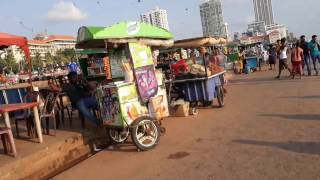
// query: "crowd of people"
[[303, 55]]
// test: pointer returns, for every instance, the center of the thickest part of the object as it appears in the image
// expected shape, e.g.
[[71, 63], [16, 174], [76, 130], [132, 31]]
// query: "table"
[[5, 109]]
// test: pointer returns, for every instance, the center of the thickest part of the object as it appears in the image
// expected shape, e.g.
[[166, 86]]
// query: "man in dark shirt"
[[306, 53], [78, 96]]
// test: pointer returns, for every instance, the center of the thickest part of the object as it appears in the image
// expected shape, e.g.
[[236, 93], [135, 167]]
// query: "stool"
[[7, 137]]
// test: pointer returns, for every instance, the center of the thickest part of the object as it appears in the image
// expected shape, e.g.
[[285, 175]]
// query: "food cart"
[[132, 99], [200, 89]]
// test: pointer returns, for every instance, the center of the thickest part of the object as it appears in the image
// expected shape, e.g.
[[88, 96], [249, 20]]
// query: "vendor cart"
[[132, 100], [199, 90]]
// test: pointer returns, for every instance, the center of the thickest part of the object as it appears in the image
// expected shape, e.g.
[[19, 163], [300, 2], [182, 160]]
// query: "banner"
[[146, 82], [141, 55]]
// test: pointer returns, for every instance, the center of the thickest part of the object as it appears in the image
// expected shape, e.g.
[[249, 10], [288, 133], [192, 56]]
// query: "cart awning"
[[95, 37]]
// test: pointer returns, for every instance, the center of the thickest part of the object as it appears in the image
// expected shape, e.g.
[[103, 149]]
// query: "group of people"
[[302, 54]]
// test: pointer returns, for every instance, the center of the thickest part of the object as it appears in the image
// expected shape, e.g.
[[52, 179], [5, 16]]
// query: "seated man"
[[79, 96]]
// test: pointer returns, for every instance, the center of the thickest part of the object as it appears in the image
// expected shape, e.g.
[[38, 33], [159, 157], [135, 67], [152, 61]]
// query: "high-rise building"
[[263, 11], [212, 19], [157, 17]]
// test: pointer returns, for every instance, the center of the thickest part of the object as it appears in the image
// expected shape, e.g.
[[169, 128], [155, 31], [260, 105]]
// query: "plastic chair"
[[47, 112], [27, 116], [7, 137]]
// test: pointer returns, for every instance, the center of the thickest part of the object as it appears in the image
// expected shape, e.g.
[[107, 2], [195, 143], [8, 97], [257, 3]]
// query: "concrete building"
[[257, 28], [16, 51], [212, 19], [263, 11], [282, 29], [157, 17], [51, 44], [42, 46]]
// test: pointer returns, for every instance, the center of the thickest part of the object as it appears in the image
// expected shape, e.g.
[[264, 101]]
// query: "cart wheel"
[[220, 96], [163, 130], [145, 133], [193, 111], [118, 136]]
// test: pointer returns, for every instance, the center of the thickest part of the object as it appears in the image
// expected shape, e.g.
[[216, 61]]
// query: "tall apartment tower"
[[157, 17], [212, 19], [263, 11]]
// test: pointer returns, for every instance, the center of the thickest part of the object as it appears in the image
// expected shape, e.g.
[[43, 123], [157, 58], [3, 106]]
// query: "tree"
[[9, 62], [36, 61], [49, 58], [65, 56]]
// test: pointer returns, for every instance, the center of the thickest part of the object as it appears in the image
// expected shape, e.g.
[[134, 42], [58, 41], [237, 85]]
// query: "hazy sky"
[[28, 17]]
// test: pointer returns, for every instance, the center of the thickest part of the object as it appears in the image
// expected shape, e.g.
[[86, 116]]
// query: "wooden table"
[[5, 109]]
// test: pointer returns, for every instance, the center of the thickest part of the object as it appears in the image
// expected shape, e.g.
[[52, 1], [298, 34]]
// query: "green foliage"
[[36, 61], [62, 57], [65, 56], [9, 62], [49, 58]]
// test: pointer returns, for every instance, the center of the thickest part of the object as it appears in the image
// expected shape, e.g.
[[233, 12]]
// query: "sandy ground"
[[269, 129]]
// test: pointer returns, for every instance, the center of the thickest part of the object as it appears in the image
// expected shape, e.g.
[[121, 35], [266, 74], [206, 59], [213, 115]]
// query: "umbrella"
[[9, 40]]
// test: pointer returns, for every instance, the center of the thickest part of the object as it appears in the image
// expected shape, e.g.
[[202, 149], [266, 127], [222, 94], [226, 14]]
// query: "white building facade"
[[212, 19], [157, 17], [282, 29], [257, 28], [51, 44]]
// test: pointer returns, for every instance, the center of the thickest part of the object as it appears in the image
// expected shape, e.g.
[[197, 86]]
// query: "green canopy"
[[96, 36]]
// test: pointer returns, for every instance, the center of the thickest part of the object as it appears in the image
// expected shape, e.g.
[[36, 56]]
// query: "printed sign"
[[146, 82], [117, 57], [109, 105], [133, 28], [119, 106], [141, 55]]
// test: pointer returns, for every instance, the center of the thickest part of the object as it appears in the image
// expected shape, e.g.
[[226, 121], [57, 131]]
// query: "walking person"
[[283, 56], [306, 55], [272, 57], [297, 58], [315, 52]]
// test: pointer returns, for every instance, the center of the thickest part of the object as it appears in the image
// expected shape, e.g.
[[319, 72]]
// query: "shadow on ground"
[[300, 97], [306, 117], [311, 148]]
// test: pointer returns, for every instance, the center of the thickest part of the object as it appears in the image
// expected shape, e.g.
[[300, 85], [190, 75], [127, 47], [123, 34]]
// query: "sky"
[[29, 17]]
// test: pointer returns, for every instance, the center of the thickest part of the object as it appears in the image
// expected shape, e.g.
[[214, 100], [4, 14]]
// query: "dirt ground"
[[269, 129]]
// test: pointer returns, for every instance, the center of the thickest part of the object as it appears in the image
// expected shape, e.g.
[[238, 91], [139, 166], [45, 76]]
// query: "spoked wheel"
[[118, 136], [220, 96], [193, 111], [145, 133]]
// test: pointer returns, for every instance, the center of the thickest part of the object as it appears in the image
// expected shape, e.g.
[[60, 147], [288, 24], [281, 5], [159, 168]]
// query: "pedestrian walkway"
[[269, 129]]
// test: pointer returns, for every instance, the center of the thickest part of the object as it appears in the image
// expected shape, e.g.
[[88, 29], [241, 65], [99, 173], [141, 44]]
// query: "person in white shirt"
[[283, 58]]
